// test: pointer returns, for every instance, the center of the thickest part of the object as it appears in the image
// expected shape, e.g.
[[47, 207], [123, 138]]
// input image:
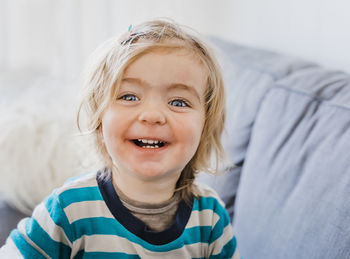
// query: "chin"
[[153, 173], [148, 172]]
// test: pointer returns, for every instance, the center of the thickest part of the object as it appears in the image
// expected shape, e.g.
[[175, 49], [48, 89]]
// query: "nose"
[[152, 115]]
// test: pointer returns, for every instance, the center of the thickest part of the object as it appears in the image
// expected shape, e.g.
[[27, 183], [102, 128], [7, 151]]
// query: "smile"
[[149, 143]]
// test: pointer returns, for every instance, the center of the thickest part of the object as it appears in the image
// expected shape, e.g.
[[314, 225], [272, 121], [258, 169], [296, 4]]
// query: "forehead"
[[168, 67]]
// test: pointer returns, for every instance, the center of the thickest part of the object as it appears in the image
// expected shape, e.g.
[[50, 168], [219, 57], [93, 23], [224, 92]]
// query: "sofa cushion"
[[248, 74], [289, 129], [293, 199]]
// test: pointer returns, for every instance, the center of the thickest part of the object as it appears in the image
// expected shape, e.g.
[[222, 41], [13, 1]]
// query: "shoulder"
[[83, 180], [206, 193], [77, 189], [208, 206]]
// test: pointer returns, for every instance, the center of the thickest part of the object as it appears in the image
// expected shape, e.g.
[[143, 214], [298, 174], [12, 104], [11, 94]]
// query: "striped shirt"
[[85, 219]]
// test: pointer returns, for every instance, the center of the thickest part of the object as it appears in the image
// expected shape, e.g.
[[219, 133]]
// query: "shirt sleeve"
[[46, 233], [223, 243]]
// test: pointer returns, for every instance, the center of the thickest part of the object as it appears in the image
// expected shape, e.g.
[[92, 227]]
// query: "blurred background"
[[44, 45], [55, 37]]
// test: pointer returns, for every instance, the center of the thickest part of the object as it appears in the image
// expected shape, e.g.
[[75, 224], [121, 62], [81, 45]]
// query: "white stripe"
[[10, 250], [236, 255], [83, 176], [217, 246], [45, 221], [202, 218], [88, 180], [112, 243], [87, 209]]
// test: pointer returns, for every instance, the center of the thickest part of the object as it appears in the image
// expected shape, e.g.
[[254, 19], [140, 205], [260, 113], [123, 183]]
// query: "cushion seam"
[[315, 98]]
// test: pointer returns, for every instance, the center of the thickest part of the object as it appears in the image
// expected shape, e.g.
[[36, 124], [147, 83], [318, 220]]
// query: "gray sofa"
[[288, 132], [9, 218]]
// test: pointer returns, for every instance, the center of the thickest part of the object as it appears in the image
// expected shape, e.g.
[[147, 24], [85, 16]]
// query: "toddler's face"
[[153, 128]]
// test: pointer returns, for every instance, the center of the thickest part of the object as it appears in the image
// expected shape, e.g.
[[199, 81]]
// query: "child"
[[155, 104]]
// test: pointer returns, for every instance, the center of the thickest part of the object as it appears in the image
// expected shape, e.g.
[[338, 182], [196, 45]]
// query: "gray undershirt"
[[157, 217]]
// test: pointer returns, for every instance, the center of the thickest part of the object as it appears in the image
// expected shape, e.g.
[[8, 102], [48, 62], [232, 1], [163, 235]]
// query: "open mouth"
[[148, 143]]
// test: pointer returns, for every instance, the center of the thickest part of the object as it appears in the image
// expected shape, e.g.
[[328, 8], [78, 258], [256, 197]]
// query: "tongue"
[[141, 144], [145, 144]]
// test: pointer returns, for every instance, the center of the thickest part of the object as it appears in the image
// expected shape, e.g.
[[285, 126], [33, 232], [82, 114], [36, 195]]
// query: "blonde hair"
[[105, 71]]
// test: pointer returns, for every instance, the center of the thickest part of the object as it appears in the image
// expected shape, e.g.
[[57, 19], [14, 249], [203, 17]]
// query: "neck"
[[151, 191]]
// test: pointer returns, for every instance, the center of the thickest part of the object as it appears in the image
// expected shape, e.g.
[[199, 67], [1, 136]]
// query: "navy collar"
[[136, 226]]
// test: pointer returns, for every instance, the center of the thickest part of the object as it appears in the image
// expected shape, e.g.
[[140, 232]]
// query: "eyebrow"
[[169, 87]]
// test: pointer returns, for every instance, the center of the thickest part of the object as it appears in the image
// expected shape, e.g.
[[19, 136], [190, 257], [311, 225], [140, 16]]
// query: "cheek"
[[192, 132], [110, 130]]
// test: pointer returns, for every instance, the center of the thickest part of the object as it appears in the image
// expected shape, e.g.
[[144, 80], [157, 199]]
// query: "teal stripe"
[[227, 251], [195, 205], [219, 228], [80, 194], [24, 247], [209, 203], [97, 226], [39, 236], [105, 255], [199, 234], [58, 215], [109, 226], [79, 255]]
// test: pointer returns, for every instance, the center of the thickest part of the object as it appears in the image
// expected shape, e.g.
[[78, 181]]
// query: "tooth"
[[156, 146], [150, 142], [156, 142], [144, 141]]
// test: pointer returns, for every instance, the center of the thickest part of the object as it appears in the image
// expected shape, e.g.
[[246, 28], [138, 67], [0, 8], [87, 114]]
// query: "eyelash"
[[133, 98], [127, 97], [183, 103]]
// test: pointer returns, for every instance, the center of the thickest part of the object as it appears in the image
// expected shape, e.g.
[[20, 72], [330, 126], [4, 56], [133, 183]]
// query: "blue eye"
[[178, 103], [129, 97]]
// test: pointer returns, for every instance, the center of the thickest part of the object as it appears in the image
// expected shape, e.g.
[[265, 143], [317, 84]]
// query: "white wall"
[[55, 36], [317, 30]]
